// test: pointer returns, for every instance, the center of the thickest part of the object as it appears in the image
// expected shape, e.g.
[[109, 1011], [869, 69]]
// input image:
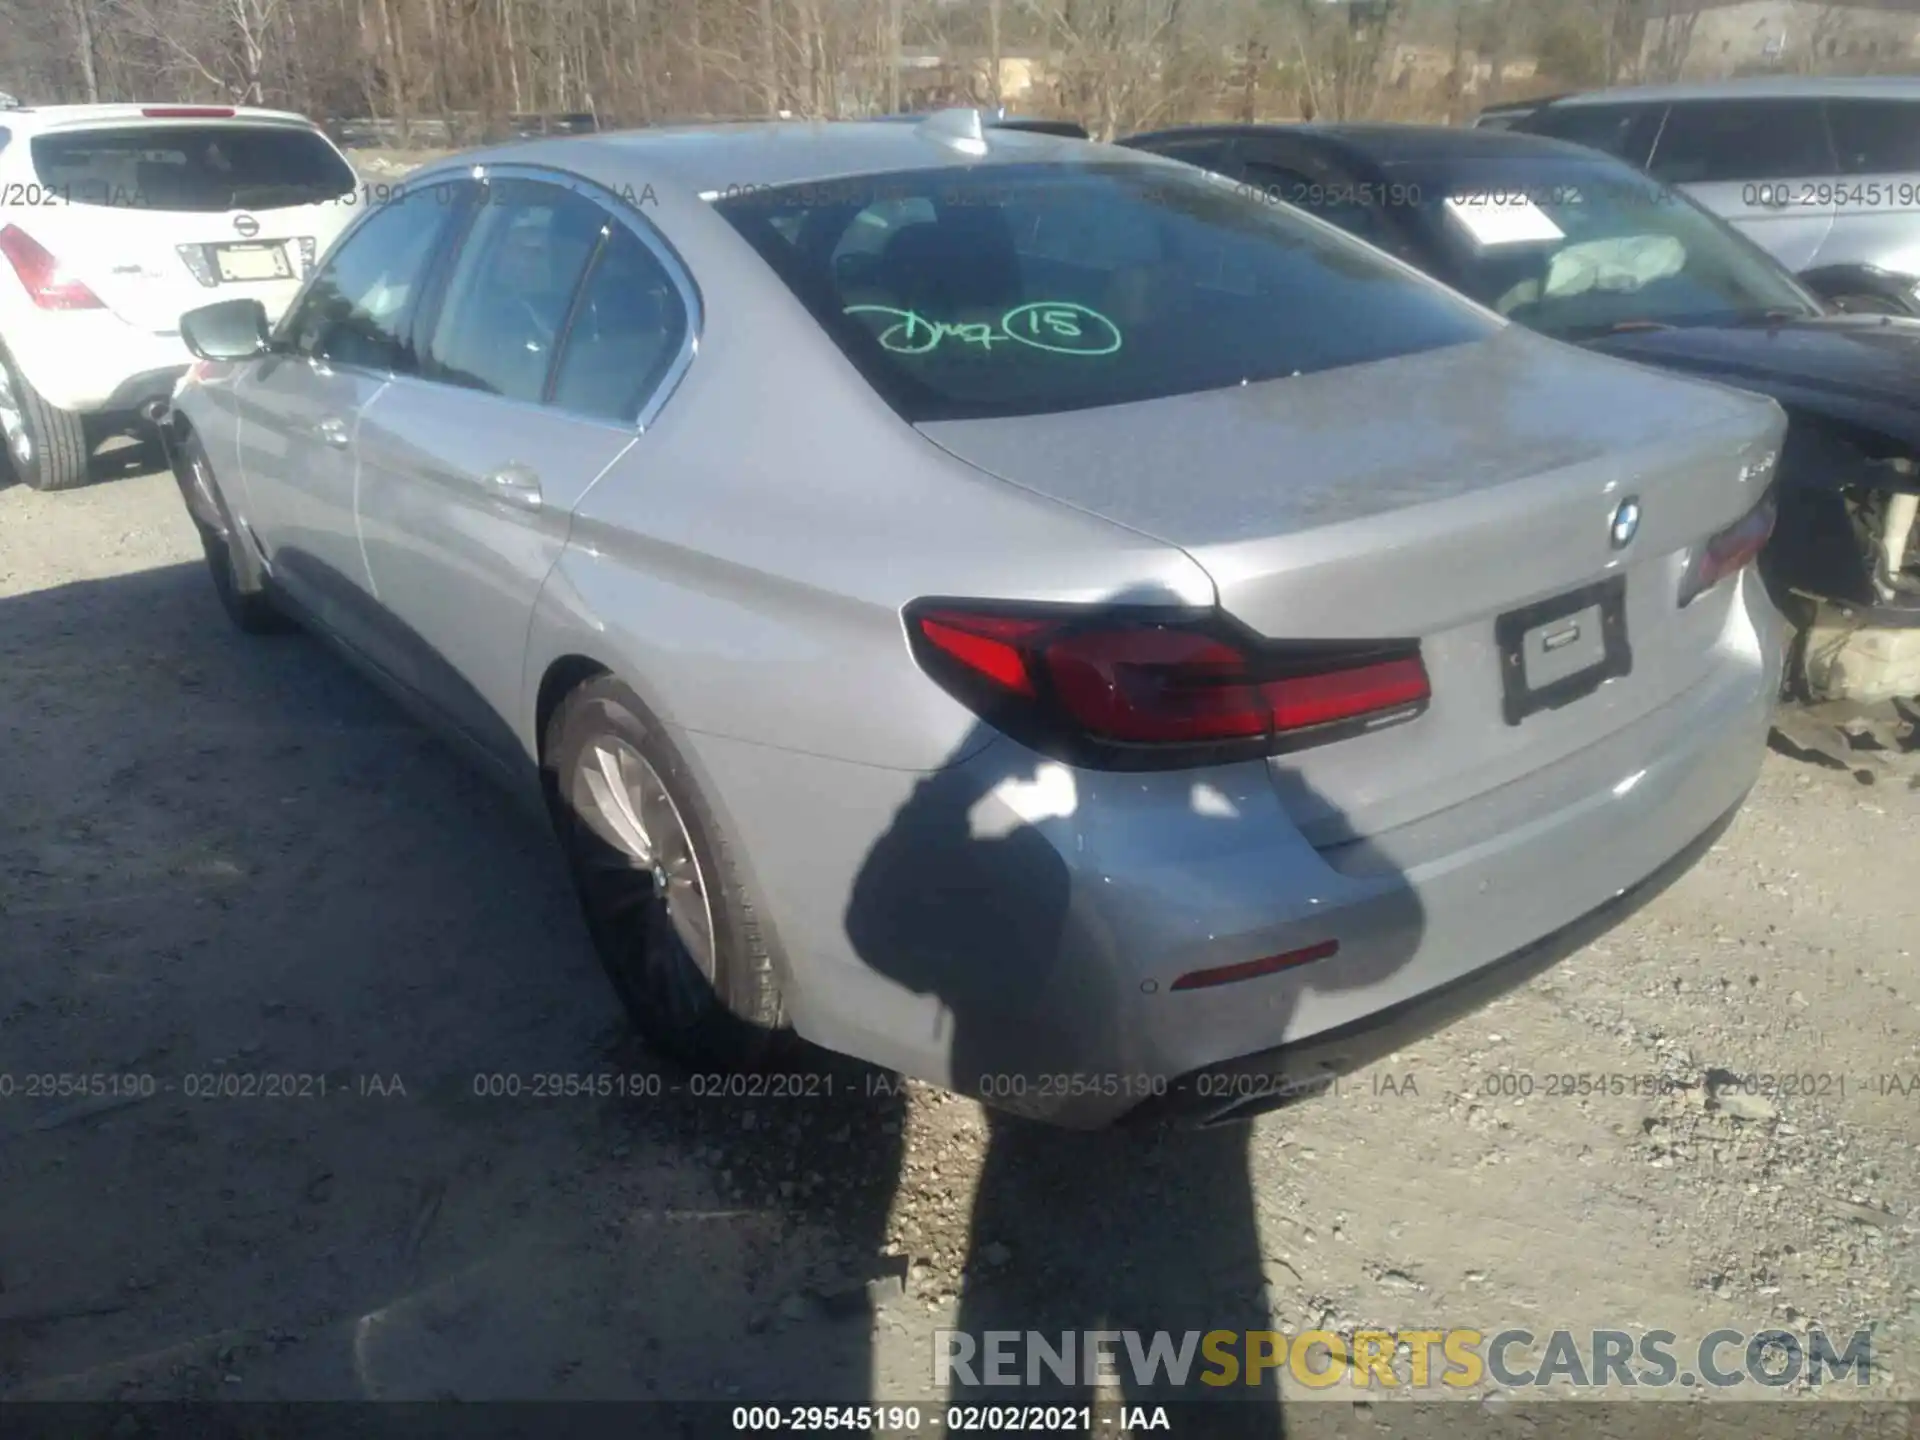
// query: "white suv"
[[116, 219]]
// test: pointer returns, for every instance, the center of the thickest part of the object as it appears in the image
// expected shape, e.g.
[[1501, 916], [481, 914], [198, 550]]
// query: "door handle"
[[518, 483], [333, 431]]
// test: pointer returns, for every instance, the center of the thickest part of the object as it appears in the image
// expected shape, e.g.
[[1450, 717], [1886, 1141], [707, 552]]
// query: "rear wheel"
[[663, 901], [46, 445]]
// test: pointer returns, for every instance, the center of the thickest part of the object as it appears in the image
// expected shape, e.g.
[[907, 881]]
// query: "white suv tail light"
[[48, 286]]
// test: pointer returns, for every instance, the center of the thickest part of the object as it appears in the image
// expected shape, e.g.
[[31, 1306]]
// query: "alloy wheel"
[[643, 879], [13, 421]]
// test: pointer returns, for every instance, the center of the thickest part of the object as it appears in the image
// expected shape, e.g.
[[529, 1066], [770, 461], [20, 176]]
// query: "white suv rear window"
[[193, 168]]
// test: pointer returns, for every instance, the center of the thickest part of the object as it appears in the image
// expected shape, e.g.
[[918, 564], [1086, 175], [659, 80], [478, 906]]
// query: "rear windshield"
[[1026, 289], [197, 168]]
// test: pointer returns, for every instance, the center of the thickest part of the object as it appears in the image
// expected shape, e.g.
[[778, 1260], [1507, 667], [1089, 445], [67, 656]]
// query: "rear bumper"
[[149, 385], [92, 362], [1270, 1079], [1013, 929]]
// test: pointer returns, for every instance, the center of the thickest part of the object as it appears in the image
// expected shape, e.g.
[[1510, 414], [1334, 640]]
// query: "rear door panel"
[[535, 371]]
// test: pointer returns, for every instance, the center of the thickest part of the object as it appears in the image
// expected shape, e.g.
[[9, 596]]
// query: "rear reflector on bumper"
[[1253, 969], [1730, 551]]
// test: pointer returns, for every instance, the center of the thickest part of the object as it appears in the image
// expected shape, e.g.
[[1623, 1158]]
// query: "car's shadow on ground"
[[371, 1126]]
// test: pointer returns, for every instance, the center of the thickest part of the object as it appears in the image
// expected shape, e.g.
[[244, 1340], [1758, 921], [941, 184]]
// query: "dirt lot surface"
[[226, 859]]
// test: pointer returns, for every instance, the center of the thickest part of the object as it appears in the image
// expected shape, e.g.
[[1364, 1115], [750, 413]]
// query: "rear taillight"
[[41, 274], [194, 257], [1730, 551], [1118, 689]]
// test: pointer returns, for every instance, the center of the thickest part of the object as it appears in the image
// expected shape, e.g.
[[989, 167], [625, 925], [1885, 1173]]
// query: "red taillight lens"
[[1730, 551], [1146, 686], [1132, 691], [40, 273]]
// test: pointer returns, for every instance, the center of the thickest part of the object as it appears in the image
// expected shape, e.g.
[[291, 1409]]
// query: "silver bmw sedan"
[[1022, 613]]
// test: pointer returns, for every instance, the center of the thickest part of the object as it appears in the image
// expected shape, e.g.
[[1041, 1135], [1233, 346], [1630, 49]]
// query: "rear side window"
[[1876, 137], [1706, 142], [358, 307], [194, 168], [511, 288], [627, 328], [1041, 288], [1623, 131]]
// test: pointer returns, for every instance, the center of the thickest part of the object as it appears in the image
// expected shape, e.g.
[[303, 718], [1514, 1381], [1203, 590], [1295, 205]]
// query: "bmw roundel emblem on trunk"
[[246, 225], [1626, 523]]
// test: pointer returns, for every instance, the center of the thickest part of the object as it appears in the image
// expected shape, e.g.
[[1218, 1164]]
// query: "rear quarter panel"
[[743, 567]]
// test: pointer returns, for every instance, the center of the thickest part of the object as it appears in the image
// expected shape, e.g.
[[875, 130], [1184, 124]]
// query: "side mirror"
[[229, 330]]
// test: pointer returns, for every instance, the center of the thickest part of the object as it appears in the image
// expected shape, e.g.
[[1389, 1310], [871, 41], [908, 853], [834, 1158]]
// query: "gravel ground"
[[227, 857]]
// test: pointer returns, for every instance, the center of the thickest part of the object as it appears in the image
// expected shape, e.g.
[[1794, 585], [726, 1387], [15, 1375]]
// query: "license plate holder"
[[1558, 650], [265, 260]]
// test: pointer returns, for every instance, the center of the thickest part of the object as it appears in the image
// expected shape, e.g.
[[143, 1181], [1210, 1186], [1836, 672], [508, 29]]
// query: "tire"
[[689, 962], [237, 580], [46, 445]]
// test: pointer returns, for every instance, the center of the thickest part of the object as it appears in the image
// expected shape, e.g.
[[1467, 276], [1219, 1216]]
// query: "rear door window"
[[627, 328], [1876, 137], [511, 288], [1625, 132], [1708, 142], [192, 168], [1040, 288]]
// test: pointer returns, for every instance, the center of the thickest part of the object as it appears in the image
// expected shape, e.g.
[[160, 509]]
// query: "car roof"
[[151, 112], [1758, 87], [724, 159], [1384, 143]]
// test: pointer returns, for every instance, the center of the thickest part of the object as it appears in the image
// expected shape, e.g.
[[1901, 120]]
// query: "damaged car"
[[1583, 247]]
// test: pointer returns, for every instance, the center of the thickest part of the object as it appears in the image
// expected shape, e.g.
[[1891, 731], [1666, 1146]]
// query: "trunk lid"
[[1426, 497]]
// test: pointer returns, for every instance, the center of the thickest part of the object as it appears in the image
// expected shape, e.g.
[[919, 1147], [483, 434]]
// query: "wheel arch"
[[563, 675]]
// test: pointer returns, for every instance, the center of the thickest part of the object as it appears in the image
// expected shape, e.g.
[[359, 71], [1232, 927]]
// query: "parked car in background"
[[1584, 248], [114, 219], [1001, 120], [1502, 117], [1004, 607], [1822, 173]]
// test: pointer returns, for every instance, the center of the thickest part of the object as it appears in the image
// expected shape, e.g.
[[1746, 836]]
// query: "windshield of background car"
[[1027, 289], [1575, 250], [193, 168]]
